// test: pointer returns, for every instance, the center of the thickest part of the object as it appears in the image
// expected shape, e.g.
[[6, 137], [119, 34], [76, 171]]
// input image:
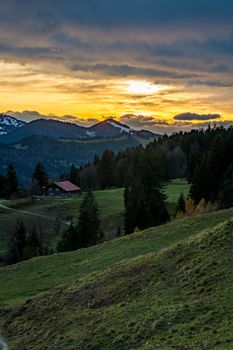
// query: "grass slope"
[[178, 295], [42, 274], [110, 203]]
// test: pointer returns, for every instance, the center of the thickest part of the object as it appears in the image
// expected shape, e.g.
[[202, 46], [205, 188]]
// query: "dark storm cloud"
[[110, 13], [194, 116]]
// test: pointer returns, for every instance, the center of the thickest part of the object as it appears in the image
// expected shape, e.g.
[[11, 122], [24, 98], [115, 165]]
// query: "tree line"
[[204, 157]]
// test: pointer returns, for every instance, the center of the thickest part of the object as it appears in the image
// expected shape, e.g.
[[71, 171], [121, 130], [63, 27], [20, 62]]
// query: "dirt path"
[[2, 206]]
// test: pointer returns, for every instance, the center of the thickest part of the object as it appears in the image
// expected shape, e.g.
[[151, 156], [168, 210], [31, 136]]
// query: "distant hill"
[[59, 144], [44, 127], [58, 154], [53, 128], [110, 128], [166, 288]]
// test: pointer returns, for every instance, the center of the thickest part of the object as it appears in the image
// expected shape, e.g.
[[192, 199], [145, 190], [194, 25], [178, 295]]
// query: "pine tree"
[[126, 195], [41, 176], [106, 170], [145, 202], [202, 184], [74, 175], [89, 230], [181, 204], [226, 189], [135, 207], [11, 181], [69, 240], [33, 245], [119, 232], [96, 160], [17, 244], [2, 186]]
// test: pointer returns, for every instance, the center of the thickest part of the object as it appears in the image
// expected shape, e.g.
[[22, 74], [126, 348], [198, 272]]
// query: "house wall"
[[56, 191]]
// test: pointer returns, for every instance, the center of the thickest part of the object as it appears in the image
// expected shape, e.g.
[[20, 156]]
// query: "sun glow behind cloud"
[[139, 87], [35, 87], [98, 58]]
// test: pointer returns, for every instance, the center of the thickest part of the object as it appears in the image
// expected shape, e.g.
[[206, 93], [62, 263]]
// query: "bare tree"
[[57, 222]]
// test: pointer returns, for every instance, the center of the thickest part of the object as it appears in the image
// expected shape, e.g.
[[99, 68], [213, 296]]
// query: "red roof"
[[67, 186]]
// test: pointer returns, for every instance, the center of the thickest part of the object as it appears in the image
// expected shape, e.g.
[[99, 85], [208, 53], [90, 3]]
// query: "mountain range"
[[12, 129], [58, 145]]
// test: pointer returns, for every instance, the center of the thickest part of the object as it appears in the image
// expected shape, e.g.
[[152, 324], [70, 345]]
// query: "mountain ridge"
[[107, 128]]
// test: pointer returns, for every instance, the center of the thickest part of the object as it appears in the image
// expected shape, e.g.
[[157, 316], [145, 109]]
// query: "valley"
[[62, 144]]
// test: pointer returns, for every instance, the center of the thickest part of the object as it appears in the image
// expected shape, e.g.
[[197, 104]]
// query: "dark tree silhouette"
[[106, 170], [11, 181], [41, 176], [89, 230], [74, 175]]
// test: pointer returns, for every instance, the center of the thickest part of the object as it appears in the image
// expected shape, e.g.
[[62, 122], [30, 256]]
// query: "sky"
[[163, 65]]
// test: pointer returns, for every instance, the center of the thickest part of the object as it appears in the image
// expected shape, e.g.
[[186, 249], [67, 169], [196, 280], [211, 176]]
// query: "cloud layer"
[[195, 116], [76, 57]]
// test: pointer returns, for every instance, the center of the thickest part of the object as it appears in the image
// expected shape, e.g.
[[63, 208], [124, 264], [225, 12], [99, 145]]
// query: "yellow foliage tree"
[[201, 207], [190, 207]]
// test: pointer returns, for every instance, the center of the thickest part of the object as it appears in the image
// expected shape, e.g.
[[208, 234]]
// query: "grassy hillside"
[[110, 203], [166, 288], [42, 274], [173, 191]]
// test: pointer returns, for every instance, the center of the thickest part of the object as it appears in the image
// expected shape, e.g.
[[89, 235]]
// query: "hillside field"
[[110, 204], [169, 287]]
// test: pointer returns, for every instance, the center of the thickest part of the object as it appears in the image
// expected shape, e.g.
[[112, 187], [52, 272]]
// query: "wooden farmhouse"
[[63, 188]]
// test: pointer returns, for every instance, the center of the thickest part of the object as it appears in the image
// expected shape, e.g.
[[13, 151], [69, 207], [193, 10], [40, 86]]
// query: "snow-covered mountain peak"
[[122, 127], [8, 124]]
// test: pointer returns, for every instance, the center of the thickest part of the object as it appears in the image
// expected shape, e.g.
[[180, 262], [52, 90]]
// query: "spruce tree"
[[135, 207], [202, 184], [74, 175], [2, 186], [119, 232], [11, 181], [17, 244], [41, 176], [181, 204], [69, 240], [226, 189], [89, 230], [106, 170], [145, 202], [33, 245]]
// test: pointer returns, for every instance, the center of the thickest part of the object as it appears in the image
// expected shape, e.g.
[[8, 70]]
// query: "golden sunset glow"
[[54, 92], [88, 61], [143, 87]]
